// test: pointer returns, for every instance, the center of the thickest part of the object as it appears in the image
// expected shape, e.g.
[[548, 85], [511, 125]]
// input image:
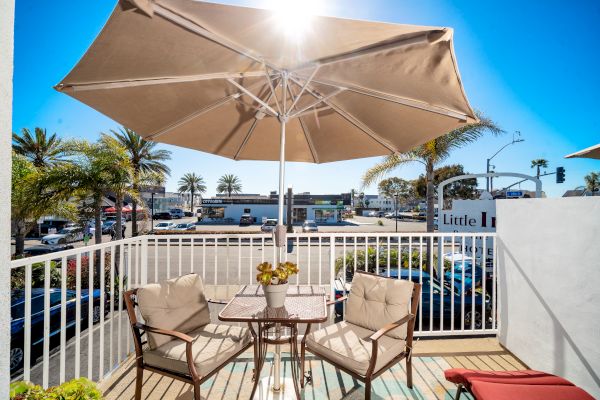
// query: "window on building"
[[214, 212], [246, 211]]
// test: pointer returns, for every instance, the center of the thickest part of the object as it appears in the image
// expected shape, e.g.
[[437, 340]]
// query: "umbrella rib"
[[310, 78], [318, 101], [253, 96], [198, 113], [376, 48], [250, 131], [350, 118], [116, 84], [397, 99], [308, 137], [305, 130], [268, 77], [243, 145], [192, 26]]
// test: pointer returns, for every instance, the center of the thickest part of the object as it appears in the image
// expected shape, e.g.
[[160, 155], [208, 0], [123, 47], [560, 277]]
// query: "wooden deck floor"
[[432, 357]]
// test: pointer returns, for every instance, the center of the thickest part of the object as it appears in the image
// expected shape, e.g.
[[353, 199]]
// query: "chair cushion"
[[500, 391], [213, 345], [177, 304], [376, 301], [525, 377], [349, 345]]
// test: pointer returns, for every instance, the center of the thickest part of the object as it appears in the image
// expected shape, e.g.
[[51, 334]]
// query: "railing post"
[[144, 261], [331, 266]]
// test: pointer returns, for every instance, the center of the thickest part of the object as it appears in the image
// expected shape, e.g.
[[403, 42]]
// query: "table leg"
[[277, 361]]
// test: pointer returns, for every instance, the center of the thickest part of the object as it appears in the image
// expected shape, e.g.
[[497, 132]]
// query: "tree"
[[395, 187], [229, 184], [463, 189], [42, 150], [592, 182], [97, 168], [145, 159], [432, 153], [539, 163], [31, 199], [191, 183]]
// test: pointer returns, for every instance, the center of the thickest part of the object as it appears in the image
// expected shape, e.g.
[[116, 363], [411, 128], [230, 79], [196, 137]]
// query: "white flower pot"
[[275, 294]]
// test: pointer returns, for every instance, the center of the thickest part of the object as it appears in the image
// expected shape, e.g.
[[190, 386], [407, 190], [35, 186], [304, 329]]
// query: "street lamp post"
[[516, 139]]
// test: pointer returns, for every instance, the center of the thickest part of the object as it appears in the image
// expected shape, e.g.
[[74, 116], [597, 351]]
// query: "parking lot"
[[356, 224]]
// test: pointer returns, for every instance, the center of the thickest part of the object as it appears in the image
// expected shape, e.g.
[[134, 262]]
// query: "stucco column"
[[7, 12]]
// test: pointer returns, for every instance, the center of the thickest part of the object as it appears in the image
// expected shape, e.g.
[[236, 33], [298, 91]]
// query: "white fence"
[[59, 334]]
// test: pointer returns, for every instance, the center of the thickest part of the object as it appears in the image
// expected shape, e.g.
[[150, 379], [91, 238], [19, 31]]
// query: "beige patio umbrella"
[[590, 152], [227, 80]]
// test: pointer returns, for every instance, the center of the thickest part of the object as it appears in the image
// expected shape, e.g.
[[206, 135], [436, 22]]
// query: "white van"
[[176, 213]]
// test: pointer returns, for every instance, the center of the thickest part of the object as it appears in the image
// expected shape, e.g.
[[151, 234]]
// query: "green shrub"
[[379, 222], [76, 389]]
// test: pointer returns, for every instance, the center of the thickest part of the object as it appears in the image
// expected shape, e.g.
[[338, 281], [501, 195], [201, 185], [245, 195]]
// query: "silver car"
[[309, 226], [268, 226], [184, 227], [64, 236]]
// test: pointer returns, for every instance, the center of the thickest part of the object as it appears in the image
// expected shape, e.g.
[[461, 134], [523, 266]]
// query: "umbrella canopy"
[[590, 152], [229, 81]]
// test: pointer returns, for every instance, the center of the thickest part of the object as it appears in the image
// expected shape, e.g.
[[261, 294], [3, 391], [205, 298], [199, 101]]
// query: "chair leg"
[[302, 356], [459, 390], [368, 389], [409, 375], [196, 390], [139, 380]]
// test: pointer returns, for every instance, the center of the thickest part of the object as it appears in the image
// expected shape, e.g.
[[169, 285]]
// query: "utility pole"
[[516, 139]]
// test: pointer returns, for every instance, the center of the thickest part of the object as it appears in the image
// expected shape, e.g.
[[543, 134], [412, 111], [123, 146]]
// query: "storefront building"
[[323, 209]]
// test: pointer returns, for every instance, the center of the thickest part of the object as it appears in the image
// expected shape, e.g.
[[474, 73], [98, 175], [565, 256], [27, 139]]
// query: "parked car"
[[114, 219], [164, 226], [309, 226], [183, 227], [163, 215], [17, 328], [64, 236], [268, 226], [177, 213], [107, 226], [246, 219], [41, 249]]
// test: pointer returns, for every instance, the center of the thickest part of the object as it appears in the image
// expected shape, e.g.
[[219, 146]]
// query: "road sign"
[[514, 193]]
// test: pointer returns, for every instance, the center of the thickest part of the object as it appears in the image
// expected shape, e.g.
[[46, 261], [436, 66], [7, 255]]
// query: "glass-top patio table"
[[303, 305]]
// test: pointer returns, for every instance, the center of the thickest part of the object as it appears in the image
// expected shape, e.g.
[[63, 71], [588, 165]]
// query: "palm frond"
[[390, 163]]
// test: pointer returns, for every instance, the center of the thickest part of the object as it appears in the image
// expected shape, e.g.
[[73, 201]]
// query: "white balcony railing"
[[59, 334]]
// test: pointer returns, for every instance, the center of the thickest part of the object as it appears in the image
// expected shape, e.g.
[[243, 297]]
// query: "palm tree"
[[592, 182], [31, 199], [39, 148], [539, 163], [431, 154], [229, 184], [191, 183], [145, 158]]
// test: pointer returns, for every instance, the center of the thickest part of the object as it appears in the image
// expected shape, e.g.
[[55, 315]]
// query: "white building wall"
[[7, 11], [549, 271]]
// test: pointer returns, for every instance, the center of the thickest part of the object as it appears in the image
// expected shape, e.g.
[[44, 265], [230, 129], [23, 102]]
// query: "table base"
[[265, 391]]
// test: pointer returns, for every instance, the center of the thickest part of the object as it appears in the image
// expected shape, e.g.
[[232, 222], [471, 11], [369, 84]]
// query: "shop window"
[[246, 211]]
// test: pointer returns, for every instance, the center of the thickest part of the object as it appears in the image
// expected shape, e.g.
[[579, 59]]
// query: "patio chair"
[[181, 342], [377, 331]]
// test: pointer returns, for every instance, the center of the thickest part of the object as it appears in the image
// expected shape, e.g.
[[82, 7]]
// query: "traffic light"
[[560, 175]]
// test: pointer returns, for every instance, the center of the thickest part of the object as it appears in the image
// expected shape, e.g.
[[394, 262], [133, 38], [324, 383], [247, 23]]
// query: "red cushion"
[[525, 377], [499, 391]]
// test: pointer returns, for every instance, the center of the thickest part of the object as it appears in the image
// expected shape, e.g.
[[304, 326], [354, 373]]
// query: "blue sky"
[[532, 66]]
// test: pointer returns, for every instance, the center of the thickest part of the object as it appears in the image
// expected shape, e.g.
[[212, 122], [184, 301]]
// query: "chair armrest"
[[341, 299], [166, 332], [390, 326], [217, 301]]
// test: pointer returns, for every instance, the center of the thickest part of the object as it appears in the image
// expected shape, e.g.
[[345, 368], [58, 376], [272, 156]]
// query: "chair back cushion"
[[177, 304], [376, 301]]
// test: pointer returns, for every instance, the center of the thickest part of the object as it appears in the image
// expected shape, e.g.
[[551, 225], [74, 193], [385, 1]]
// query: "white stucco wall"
[[549, 270], [7, 9]]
